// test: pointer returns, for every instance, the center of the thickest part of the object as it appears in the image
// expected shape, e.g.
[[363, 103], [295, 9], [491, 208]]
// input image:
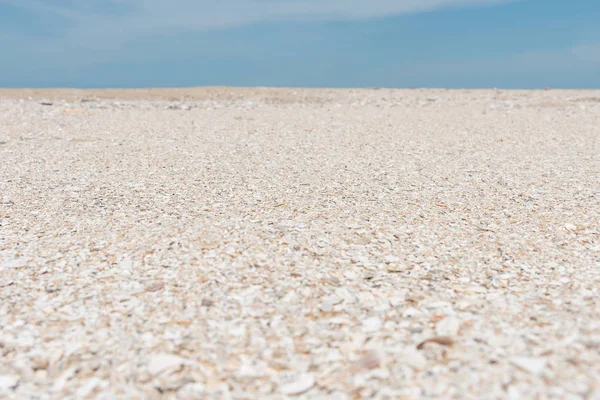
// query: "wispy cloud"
[[96, 29], [81, 39], [149, 15]]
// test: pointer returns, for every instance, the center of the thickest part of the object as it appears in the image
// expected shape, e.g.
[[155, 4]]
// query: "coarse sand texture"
[[218, 243]]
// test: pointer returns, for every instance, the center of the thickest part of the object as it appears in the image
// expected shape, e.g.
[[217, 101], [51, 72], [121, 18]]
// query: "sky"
[[300, 43]]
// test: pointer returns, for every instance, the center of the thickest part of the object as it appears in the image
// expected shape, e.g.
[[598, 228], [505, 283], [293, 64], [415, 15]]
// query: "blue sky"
[[322, 43]]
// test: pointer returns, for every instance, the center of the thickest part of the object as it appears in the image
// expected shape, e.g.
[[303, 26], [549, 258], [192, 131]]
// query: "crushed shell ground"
[[325, 244]]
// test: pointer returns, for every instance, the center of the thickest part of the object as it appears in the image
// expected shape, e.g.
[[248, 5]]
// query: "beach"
[[308, 243]]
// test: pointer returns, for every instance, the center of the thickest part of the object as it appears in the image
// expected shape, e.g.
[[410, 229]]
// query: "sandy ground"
[[259, 243]]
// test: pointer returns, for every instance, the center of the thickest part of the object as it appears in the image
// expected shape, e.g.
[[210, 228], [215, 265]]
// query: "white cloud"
[[96, 29], [149, 15], [210, 14]]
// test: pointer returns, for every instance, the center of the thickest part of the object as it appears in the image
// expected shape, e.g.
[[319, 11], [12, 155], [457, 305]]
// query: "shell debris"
[[269, 243]]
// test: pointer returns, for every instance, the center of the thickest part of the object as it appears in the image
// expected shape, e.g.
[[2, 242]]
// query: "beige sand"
[[260, 243]]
